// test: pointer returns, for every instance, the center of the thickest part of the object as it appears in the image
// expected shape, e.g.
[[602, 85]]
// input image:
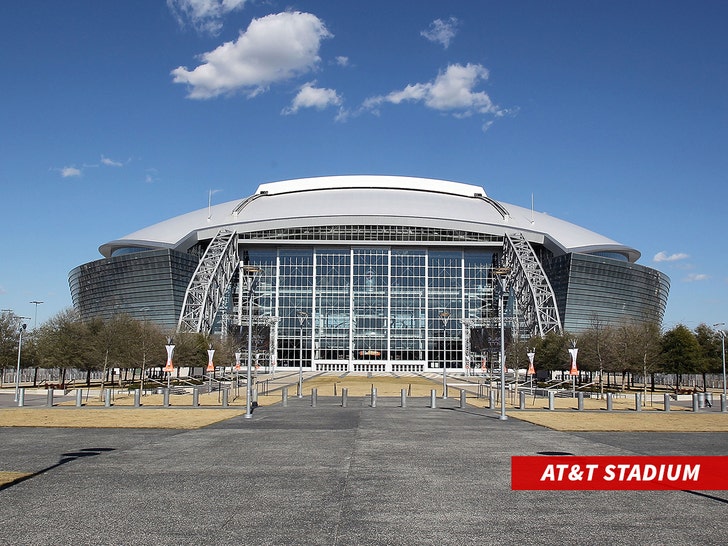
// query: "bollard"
[[709, 399], [610, 402], [463, 395], [638, 401], [165, 391], [374, 397], [433, 398], [284, 397], [701, 400], [551, 400], [195, 397], [224, 397], [403, 398], [580, 401], [723, 408], [137, 398], [344, 397], [21, 397], [107, 398], [49, 398], [254, 397], [491, 400], [522, 400], [314, 397], [666, 401], [79, 398], [695, 401]]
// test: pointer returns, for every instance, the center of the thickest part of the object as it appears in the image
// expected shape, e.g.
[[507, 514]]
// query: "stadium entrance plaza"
[[336, 475]]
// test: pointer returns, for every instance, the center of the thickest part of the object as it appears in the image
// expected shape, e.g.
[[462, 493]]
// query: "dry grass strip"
[[10, 477], [573, 421]]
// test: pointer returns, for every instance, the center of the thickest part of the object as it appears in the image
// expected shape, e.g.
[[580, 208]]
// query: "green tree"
[[63, 342], [710, 359], [680, 352]]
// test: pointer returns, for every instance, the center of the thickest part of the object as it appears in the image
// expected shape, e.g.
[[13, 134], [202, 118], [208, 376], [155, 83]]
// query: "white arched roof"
[[370, 200]]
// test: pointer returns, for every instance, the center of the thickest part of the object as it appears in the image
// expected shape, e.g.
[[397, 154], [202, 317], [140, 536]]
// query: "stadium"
[[370, 273]]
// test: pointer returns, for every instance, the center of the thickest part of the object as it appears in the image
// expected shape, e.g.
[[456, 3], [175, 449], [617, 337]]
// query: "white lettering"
[[609, 473]]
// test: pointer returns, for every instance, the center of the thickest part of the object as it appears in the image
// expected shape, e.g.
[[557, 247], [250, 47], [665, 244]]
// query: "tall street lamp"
[[722, 341], [21, 329], [302, 317], [250, 276], [35, 321], [531, 354], [501, 275], [444, 317]]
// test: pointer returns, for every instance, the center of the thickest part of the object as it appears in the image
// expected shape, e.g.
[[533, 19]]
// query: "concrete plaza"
[[335, 476]]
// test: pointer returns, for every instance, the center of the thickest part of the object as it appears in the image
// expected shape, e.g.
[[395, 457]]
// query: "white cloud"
[[664, 257], [313, 97], [441, 32], [693, 277], [67, 172], [203, 15], [110, 162], [451, 91], [274, 48], [342, 61]]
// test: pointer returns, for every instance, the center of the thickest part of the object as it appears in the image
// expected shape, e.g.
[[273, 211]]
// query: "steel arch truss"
[[531, 287], [209, 283]]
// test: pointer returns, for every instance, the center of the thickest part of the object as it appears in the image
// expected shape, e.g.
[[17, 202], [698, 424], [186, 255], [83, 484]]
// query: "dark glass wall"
[[148, 285], [590, 288]]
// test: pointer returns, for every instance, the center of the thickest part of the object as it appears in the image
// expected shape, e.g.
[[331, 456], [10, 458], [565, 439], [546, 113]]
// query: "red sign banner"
[[619, 473]]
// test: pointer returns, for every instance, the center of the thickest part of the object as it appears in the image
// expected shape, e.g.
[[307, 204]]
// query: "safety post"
[[403, 398], [433, 398]]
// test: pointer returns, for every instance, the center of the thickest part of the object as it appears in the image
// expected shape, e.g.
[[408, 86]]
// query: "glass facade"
[[148, 285], [590, 288], [371, 308]]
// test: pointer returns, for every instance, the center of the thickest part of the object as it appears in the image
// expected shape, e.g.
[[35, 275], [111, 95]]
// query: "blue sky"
[[115, 115]]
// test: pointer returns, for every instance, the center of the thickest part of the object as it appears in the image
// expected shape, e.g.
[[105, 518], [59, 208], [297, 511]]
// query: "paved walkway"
[[337, 476]]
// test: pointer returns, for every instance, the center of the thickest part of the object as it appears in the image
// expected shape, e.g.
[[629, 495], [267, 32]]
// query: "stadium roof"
[[370, 200]]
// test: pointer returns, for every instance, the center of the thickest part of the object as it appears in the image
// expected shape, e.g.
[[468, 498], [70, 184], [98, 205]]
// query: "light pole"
[[35, 320], [251, 275], [574, 371], [722, 342], [444, 317], [302, 316], [169, 367], [237, 373], [531, 354], [501, 275], [21, 329]]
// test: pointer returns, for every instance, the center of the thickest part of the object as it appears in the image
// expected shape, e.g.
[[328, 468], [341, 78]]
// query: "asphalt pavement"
[[338, 476]]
